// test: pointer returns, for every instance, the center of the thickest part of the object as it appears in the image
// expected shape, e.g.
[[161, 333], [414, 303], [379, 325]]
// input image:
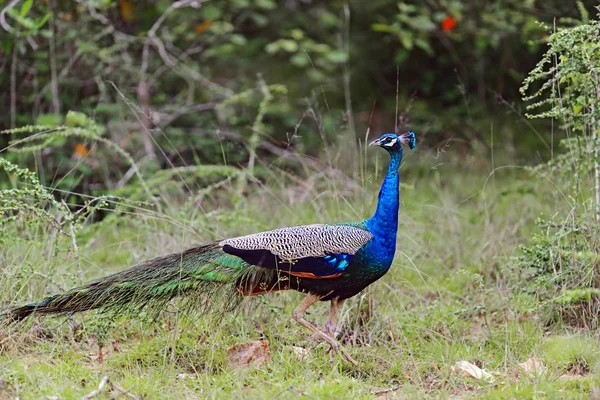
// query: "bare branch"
[[383, 391], [96, 392], [113, 387]]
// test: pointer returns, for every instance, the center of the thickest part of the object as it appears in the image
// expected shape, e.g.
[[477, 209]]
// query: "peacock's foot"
[[337, 348], [329, 329], [334, 346], [298, 315]]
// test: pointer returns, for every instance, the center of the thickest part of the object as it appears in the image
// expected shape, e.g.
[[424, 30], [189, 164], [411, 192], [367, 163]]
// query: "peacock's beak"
[[375, 142]]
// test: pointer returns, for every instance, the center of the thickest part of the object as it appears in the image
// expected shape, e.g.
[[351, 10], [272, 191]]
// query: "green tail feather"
[[199, 276]]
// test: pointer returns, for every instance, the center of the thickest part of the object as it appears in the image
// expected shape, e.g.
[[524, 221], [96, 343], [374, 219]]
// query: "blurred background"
[[220, 82]]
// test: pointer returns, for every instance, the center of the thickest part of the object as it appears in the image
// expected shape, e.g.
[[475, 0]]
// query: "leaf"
[[259, 20], [533, 367], [266, 4], [301, 352], [250, 354], [26, 22], [237, 39], [26, 7], [407, 8], [406, 40], [384, 28], [337, 56], [289, 45], [297, 34], [465, 368], [299, 60], [211, 12], [77, 119], [43, 20], [272, 48], [424, 45]]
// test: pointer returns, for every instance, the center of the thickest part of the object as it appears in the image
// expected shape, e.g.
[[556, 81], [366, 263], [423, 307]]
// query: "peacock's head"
[[393, 143]]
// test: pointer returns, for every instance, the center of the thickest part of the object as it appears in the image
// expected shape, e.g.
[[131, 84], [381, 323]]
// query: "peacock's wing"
[[310, 251]]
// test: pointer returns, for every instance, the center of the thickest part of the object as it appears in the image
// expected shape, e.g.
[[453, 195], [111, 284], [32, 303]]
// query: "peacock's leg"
[[331, 324], [298, 315]]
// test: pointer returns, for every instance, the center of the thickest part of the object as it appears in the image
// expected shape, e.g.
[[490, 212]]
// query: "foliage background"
[[183, 75]]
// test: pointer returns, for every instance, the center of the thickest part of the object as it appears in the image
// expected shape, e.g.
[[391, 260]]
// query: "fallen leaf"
[[570, 377], [465, 368], [532, 367], [250, 354], [187, 376], [301, 352]]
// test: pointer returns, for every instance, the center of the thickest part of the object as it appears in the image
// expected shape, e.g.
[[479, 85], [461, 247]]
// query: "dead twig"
[[123, 392], [388, 390], [113, 387], [96, 392]]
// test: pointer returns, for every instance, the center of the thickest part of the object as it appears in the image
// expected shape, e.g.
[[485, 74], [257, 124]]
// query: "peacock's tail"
[[203, 276]]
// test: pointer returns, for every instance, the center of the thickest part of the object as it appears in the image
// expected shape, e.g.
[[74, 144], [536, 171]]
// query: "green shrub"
[[562, 263]]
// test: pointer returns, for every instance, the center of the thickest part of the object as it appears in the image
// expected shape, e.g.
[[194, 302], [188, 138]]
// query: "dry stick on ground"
[[96, 392], [113, 387], [383, 391]]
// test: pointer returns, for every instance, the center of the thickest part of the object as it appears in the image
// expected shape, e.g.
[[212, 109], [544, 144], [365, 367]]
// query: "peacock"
[[327, 262]]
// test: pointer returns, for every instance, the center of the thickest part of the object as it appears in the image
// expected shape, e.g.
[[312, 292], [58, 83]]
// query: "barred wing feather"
[[310, 251]]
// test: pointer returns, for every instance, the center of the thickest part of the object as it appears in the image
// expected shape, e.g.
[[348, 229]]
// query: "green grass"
[[450, 295]]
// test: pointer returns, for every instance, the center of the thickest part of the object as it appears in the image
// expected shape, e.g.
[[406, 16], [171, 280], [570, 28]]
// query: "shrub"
[[562, 263]]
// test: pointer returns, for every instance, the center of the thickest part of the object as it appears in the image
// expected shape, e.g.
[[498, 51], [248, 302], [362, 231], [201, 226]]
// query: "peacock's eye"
[[388, 139]]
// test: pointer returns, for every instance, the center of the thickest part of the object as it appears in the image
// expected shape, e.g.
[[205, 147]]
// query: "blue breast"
[[381, 249], [384, 223]]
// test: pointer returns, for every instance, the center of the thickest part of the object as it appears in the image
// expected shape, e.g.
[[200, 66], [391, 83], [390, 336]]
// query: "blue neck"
[[384, 224]]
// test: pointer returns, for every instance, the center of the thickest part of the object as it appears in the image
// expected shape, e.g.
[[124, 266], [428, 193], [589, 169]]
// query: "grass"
[[450, 295]]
